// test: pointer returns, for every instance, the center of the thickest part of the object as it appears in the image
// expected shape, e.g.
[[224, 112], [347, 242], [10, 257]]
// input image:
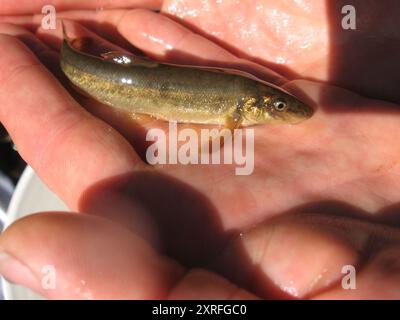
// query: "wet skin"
[[338, 169]]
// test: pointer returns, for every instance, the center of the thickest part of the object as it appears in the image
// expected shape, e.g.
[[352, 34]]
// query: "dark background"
[[11, 167]]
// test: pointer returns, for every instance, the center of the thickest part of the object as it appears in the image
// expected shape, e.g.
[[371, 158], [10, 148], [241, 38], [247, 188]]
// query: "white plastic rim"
[[18, 194], [31, 195], [3, 218], [11, 216]]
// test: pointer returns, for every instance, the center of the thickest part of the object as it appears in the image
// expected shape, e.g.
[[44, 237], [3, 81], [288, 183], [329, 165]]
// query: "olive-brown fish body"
[[179, 93]]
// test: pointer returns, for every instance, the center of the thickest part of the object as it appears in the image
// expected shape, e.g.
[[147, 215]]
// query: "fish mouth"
[[309, 112], [300, 116], [304, 111]]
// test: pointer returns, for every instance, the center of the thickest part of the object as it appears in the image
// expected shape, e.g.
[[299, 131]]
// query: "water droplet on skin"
[[305, 45], [158, 40], [291, 289], [280, 60], [259, 7], [317, 279], [216, 33], [181, 12], [205, 5], [304, 5]]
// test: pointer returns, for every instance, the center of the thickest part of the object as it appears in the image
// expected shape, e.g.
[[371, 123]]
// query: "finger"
[[105, 261], [73, 30], [103, 22], [69, 148], [163, 39], [166, 40], [29, 22], [302, 255], [379, 279], [99, 259], [45, 54], [25, 6]]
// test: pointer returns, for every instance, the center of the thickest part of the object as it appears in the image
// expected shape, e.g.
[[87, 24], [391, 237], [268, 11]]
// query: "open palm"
[[315, 202]]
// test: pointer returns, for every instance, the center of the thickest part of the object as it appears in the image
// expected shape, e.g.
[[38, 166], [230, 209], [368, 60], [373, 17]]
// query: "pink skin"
[[344, 160], [315, 45]]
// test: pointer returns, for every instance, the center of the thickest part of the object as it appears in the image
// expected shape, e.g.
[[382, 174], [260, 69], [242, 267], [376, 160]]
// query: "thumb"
[[87, 257], [92, 258]]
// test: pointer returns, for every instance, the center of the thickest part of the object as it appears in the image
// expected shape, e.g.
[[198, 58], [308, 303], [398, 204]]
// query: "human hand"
[[321, 181]]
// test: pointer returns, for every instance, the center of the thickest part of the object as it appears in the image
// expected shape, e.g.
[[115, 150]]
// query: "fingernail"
[[15, 271]]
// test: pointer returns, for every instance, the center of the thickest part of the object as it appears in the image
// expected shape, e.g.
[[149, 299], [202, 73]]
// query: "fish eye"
[[280, 105]]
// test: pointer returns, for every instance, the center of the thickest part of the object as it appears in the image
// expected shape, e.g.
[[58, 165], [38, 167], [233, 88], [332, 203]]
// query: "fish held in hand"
[[182, 94]]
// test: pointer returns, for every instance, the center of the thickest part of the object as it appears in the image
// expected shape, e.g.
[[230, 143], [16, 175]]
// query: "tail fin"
[[65, 37]]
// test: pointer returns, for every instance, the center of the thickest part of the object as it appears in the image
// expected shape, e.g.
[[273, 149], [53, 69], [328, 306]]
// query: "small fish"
[[180, 93]]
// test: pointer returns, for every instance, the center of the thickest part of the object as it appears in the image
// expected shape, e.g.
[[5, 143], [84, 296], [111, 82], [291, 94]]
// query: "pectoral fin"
[[234, 120]]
